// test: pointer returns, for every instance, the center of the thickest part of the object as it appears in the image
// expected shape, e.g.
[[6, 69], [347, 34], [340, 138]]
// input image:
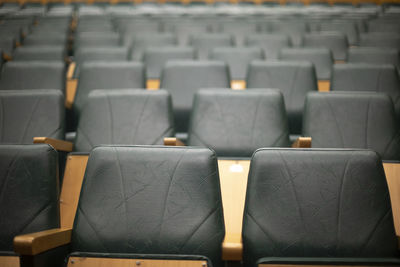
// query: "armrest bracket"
[[57, 144]]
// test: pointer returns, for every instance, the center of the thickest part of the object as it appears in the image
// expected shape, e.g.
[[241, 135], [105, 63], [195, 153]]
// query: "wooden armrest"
[[302, 142], [71, 70], [173, 141], [232, 247], [57, 144], [35, 243]]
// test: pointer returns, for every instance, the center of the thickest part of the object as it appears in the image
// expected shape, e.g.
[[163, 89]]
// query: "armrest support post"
[[57, 144]]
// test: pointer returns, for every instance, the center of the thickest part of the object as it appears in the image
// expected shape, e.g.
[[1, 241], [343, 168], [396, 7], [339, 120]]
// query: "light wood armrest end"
[[71, 70], [173, 141], [60, 145], [302, 142], [35, 243], [232, 247]]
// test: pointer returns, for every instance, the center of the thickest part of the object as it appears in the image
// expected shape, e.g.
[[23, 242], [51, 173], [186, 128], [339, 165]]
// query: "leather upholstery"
[[20, 75], [374, 55], [335, 41], [185, 29], [317, 203], [235, 123], [237, 59], [382, 40], [368, 77], [107, 75], [295, 29], [7, 43], [293, 78], [183, 78], [31, 113], [238, 29], [29, 191], [98, 39], [320, 57], [203, 43], [130, 117], [150, 200], [25, 53], [353, 120], [156, 57], [142, 41], [271, 43], [38, 39], [348, 28]]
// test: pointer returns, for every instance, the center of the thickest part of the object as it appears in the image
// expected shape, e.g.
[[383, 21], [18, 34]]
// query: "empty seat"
[[353, 120], [29, 200], [183, 78], [318, 207], [26, 53], [347, 28], [270, 43], [368, 77], [237, 59], [236, 123], [39, 39], [204, 43], [97, 39], [143, 41], [295, 29], [156, 57], [7, 45], [383, 40], [129, 117], [238, 29], [373, 55], [336, 42], [31, 113], [320, 57], [107, 75], [33, 75], [293, 78], [183, 30]]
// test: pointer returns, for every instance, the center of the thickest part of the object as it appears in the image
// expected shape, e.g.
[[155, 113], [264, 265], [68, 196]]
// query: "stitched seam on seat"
[[138, 122], [161, 135], [254, 121], [30, 119], [259, 226], [81, 132], [222, 118], [336, 122], [9, 168], [91, 226], [30, 220], [390, 143]]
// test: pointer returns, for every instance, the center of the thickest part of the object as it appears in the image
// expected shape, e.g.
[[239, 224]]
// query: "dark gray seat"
[[39, 39], [33, 75], [347, 28], [107, 75], [373, 55], [352, 120], [320, 57], [183, 30], [234, 123], [31, 113], [271, 43], [97, 39], [142, 41], [156, 57], [25, 53], [383, 40], [293, 78], [29, 200], [318, 207], [183, 220], [128, 117], [335, 41], [7, 44], [237, 59], [368, 77], [238, 29], [204, 43], [184, 78], [295, 29]]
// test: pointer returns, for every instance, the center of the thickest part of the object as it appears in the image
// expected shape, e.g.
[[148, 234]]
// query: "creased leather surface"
[[382, 40], [203, 43], [295, 29], [293, 78], [368, 77], [236, 123], [238, 29], [353, 120], [24, 114], [317, 203], [142, 41], [320, 57], [271, 43], [130, 117], [237, 58], [184, 78], [20, 75], [107, 75], [25, 53], [150, 200], [373, 55], [348, 28], [28, 191], [335, 41]]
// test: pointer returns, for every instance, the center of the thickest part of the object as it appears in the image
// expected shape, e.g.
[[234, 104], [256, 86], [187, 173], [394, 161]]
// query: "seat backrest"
[[317, 203], [38, 39], [348, 28], [293, 78], [97, 39], [352, 120], [374, 55], [335, 41], [368, 77], [184, 78], [25, 53], [128, 117], [31, 113], [235, 123], [239, 29], [271, 43], [203, 43], [142, 41], [155, 58], [29, 186], [107, 75], [295, 29], [154, 200], [320, 57], [237, 59], [383, 40], [20, 75]]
